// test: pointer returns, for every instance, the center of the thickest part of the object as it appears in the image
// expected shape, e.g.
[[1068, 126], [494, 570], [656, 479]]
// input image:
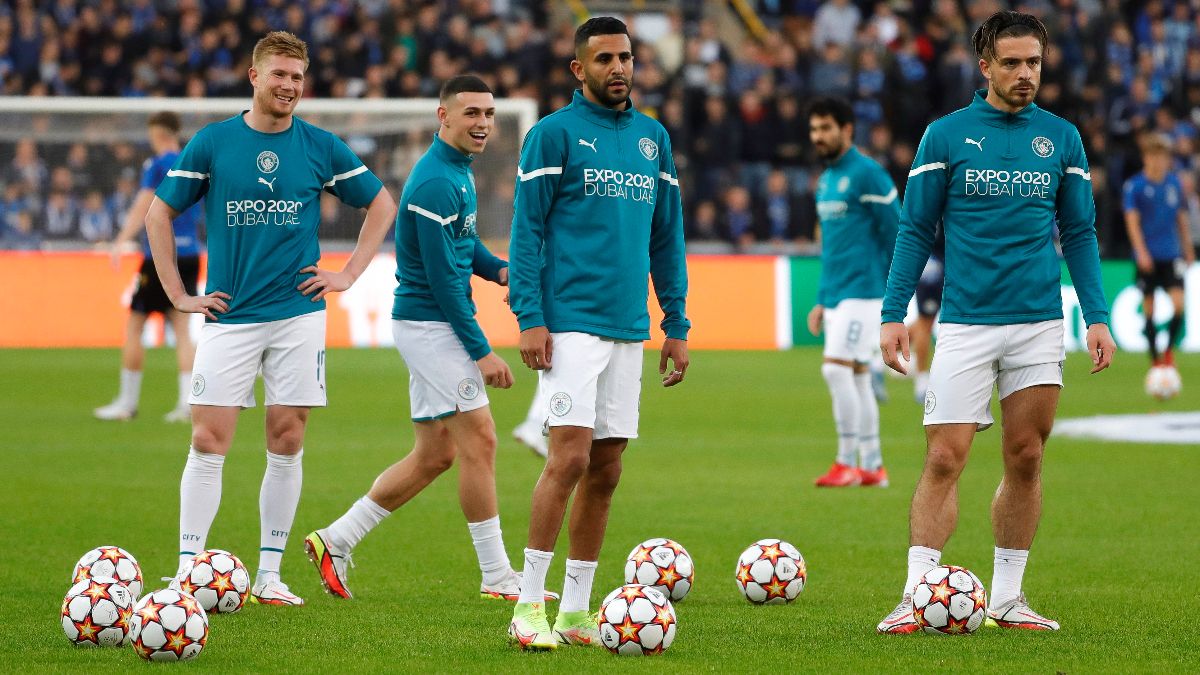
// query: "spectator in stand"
[[836, 22], [739, 217]]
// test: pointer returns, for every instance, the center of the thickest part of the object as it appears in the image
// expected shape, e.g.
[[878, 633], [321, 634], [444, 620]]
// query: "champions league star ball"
[[168, 625], [97, 612], [771, 572], [663, 565], [1163, 382], [110, 561], [636, 620], [217, 579], [949, 600]]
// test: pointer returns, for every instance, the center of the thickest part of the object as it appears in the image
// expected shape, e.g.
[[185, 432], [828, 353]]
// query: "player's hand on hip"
[[537, 347], [815, 316], [495, 371], [677, 351], [893, 341], [1101, 346], [323, 282], [209, 305]]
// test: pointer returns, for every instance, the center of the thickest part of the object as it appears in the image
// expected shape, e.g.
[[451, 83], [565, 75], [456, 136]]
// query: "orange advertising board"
[[79, 299]]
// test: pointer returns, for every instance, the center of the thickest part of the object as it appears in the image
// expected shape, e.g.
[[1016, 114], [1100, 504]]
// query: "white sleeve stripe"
[[926, 167], [544, 171], [343, 176], [669, 178], [879, 199], [179, 173], [432, 216], [1086, 175]]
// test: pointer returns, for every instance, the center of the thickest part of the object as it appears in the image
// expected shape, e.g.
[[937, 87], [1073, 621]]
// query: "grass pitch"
[[724, 459]]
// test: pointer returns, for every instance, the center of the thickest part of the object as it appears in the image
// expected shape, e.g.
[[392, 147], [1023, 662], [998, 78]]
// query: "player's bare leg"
[[125, 406], [278, 499], [1028, 416], [589, 514], [185, 355]]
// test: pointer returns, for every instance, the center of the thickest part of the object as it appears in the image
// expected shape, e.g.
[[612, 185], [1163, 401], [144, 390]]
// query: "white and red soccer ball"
[[1163, 382], [110, 561], [663, 565], [217, 579], [636, 620], [770, 572], [949, 600], [97, 612], [168, 625]]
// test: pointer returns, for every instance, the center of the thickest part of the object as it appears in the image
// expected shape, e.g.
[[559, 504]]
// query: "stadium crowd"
[[732, 98]]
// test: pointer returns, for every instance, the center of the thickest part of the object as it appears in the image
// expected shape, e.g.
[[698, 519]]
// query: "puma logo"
[[976, 143], [270, 183], [591, 145], [573, 577]]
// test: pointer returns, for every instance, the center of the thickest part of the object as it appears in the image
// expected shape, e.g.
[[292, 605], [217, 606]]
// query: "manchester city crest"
[[648, 148], [560, 403], [1043, 146], [468, 389], [268, 161]]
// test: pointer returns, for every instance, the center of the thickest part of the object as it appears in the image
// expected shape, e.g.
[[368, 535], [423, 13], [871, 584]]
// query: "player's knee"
[[944, 462], [566, 467], [207, 439], [437, 460], [1023, 458], [604, 477]]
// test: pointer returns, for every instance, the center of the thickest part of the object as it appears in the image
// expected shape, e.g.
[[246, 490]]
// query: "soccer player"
[[448, 356], [261, 173], [996, 174], [1157, 221], [929, 303], [597, 210], [149, 297], [858, 210]]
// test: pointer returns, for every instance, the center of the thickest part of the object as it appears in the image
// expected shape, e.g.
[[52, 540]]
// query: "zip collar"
[[992, 116], [847, 157], [449, 154], [605, 117]]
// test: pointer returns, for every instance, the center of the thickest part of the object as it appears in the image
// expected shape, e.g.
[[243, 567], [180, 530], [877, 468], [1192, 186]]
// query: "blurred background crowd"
[[729, 80]]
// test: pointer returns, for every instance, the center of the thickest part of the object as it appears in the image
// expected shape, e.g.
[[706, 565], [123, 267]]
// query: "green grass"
[[723, 460]]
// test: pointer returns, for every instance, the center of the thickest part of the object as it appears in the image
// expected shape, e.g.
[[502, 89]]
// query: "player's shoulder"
[[950, 123], [222, 128], [556, 122], [1048, 124], [648, 124]]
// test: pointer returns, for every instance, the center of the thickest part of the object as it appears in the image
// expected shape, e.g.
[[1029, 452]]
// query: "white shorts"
[[970, 360], [594, 383], [442, 378], [852, 330], [290, 354]]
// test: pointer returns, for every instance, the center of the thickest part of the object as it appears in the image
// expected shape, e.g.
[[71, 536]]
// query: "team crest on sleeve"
[[560, 403], [1043, 146], [649, 149], [267, 161], [468, 389]]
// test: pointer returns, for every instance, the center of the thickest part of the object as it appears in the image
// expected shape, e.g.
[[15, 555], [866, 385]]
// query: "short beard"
[[1010, 97], [599, 89], [832, 153]]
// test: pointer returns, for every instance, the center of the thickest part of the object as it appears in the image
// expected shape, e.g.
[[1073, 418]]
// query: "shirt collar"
[[996, 117], [602, 115], [849, 156], [449, 154]]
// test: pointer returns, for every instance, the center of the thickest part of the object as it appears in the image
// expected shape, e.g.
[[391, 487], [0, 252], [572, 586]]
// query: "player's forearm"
[[1185, 234], [1082, 255], [525, 273], [380, 216], [486, 265], [135, 220], [162, 248], [913, 246], [1133, 228]]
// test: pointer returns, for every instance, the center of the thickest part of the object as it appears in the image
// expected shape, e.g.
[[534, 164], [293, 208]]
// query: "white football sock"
[[345, 532], [277, 502], [489, 548], [870, 455], [131, 388], [533, 579], [199, 498], [920, 561], [921, 384], [1006, 575], [185, 387], [577, 586], [845, 410]]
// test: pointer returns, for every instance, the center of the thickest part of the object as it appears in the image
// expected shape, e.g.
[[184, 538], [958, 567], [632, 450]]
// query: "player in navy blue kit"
[[149, 297], [1157, 222]]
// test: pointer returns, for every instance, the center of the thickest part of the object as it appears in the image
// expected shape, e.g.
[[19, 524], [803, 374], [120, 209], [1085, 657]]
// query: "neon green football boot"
[[577, 628], [529, 629]]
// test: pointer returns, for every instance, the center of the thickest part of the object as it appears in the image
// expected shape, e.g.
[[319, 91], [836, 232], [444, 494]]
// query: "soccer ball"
[[637, 620], [771, 572], [217, 579], [949, 600], [110, 561], [663, 565], [168, 625], [1163, 382], [97, 612]]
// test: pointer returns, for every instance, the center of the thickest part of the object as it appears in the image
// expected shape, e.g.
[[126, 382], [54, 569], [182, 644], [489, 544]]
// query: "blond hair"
[[281, 43]]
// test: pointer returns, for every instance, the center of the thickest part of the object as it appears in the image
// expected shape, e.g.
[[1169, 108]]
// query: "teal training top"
[[996, 181], [263, 207], [438, 247], [597, 210], [859, 212]]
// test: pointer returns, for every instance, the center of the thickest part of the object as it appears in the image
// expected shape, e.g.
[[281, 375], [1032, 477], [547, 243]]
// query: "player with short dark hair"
[[858, 209], [597, 211], [1159, 233], [999, 175], [262, 173], [162, 129]]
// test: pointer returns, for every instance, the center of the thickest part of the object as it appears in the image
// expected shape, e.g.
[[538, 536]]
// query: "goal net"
[[74, 155]]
